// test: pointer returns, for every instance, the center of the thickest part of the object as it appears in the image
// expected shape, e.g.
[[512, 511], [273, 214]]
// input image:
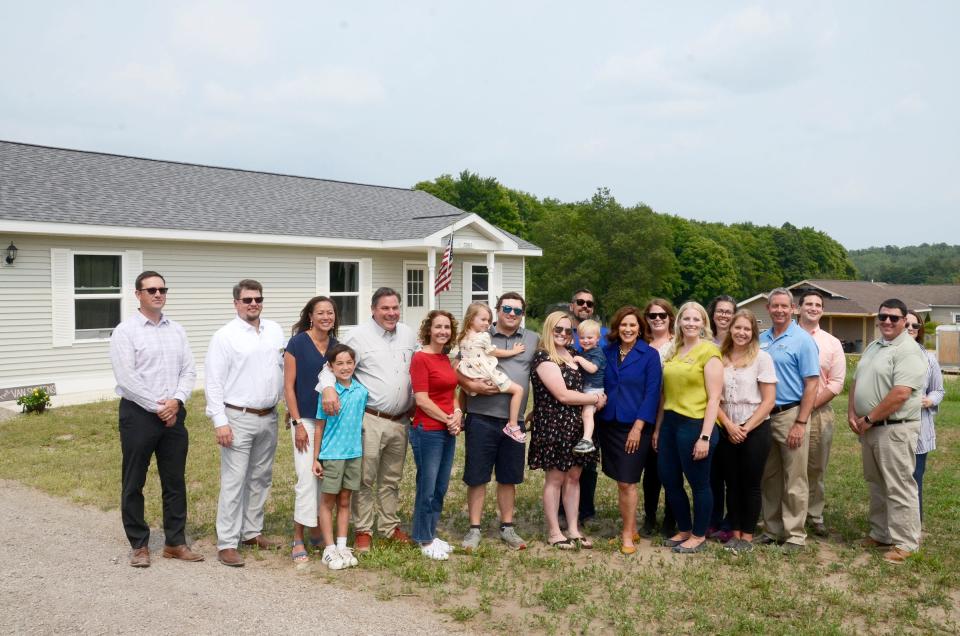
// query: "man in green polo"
[[884, 410]]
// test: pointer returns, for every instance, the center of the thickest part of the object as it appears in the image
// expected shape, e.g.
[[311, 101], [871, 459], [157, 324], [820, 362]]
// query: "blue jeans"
[[433, 453], [918, 477], [675, 461]]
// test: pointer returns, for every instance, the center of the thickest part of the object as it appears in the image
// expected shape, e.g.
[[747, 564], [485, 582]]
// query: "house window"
[[97, 294], [415, 289], [479, 284], [345, 290]]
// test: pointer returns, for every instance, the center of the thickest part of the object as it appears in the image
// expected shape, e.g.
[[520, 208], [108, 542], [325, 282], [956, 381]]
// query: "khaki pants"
[[889, 457], [821, 438], [384, 449], [784, 484]]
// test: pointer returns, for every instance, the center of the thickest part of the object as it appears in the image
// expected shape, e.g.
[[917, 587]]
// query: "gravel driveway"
[[64, 570]]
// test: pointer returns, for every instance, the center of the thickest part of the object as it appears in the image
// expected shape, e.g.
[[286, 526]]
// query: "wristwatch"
[[294, 422], [866, 418], [704, 438]]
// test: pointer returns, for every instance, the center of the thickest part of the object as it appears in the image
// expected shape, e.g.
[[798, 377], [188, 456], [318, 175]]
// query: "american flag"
[[445, 272]]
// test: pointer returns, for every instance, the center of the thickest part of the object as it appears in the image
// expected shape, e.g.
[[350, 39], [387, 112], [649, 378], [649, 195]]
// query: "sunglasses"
[[506, 309], [889, 318], [247, 301], [567, 331], [913, 325], [153, 290], [582, 301], [657, 315]]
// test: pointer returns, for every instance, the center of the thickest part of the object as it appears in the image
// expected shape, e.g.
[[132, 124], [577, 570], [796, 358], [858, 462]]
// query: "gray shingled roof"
[[864, 297], [39, 183]]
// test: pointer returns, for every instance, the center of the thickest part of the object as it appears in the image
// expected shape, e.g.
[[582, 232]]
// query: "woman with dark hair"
[[720, 312], [930, 403], [632, 385], [433, 430], [306, 353], [660, 316]]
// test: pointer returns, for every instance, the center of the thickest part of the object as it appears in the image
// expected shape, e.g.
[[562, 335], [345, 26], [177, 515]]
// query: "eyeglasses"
[[153, 290], [722, 312], [657, 315], [506, 309], [889, 318], [583, 301], [567, 331], [913, 326], [247, 301]]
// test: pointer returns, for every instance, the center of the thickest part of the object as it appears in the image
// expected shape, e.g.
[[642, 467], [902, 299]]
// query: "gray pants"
[[246, 473], [889, 458]]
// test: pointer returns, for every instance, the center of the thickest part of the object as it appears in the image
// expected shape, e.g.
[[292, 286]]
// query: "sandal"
[[582, 543], [299, 556], [515, 433], [562, 544]]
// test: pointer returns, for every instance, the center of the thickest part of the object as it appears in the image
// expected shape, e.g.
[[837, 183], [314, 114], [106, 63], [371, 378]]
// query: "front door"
[[415, 297]]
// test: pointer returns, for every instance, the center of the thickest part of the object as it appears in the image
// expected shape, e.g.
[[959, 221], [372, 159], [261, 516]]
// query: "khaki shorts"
[[340, 474]]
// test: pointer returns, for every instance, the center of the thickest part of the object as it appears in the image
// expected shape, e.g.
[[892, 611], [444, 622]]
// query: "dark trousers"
[[588, 488], [678, 434], [718, 475], [143, 434], [918, 477], [744, 464], [651, 494]]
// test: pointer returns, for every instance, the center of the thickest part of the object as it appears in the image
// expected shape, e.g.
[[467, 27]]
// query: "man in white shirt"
[[155, 374], [244, 382], [384, 348], [833, 371]]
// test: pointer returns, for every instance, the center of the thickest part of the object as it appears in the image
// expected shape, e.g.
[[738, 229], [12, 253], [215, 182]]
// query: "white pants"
[[307, 488], [246, 474]]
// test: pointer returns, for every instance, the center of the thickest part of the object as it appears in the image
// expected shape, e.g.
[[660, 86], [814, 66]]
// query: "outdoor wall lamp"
[[11, 253]]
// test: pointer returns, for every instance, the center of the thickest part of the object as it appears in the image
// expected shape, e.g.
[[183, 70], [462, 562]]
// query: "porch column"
[[431, 278], [492, 292]]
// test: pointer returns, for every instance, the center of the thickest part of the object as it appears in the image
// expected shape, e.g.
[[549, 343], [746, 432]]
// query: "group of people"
[[659, 396]]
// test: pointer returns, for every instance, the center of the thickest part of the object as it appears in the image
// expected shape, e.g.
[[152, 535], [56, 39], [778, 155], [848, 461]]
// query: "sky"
[[839, 116]]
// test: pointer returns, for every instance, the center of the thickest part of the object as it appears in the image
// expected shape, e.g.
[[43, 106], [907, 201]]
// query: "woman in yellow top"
[[685, 436]]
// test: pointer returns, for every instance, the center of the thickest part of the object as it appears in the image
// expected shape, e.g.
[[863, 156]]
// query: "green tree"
[[483, 196]]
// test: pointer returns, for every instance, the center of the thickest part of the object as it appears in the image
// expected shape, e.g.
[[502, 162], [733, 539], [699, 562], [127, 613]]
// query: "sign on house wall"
[[17, 392]]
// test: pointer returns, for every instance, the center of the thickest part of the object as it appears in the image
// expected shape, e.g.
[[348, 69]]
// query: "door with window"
[[415, 305]]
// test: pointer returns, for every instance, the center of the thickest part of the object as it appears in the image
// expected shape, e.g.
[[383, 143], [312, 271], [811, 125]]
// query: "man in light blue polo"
[[784, 486]]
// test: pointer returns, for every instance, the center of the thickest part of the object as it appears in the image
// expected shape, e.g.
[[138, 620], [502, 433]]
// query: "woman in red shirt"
[[433, 431]]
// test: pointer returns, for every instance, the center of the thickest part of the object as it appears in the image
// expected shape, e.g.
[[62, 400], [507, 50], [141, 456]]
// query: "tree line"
[[924, 264], [627, 254]]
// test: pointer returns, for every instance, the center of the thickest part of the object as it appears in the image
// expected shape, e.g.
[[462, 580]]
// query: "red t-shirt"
[[432, 373]]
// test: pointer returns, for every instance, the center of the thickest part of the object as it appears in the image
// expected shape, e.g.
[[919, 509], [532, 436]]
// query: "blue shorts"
[[487, 448]]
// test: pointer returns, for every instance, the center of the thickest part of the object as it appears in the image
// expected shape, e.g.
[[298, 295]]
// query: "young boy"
[[338, 447], [592, 364]]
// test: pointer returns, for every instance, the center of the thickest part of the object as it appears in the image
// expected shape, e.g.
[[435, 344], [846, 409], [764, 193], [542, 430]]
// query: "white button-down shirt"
[[383, 365], [244, 367], [152, 361]]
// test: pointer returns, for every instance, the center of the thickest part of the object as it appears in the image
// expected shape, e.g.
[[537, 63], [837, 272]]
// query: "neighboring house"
[[850, 306], [85, 224]]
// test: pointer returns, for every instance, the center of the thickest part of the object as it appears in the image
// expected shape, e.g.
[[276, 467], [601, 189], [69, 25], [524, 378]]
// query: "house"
[[850, 306], [84, 224]]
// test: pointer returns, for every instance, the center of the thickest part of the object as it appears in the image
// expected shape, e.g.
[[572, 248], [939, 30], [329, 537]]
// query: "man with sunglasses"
[[486, 447], [884, 410], [784, 487], [244, 381], [155, 375], [582, 307], [833, 371]]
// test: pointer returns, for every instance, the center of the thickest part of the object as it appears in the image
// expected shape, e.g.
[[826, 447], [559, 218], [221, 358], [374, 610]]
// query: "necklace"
[[316, 342]]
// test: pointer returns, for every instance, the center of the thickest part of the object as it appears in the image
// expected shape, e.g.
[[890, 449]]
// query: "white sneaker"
[[433, 551], [347, 555], [332, 559], [446, 547]]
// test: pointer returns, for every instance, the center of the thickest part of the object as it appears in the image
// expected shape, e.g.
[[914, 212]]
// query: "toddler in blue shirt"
[[592, 363]]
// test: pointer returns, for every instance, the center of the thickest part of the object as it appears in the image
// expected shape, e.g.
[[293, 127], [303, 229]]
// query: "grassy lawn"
[[832, 587]]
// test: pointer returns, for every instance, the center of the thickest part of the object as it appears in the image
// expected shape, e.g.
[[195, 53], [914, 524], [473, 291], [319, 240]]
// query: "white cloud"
[[137, 81], [332, 85], [230, 31]]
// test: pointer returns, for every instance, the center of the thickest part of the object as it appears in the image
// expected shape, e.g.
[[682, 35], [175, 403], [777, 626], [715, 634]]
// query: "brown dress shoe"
[[181, 552], [230, 557], [400, 536], [261, 542], [870, 542], [897, 556], [140, 558], [362, 541]]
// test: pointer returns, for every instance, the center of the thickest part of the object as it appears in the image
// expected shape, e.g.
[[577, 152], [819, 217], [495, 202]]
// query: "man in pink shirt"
[[833, 369]]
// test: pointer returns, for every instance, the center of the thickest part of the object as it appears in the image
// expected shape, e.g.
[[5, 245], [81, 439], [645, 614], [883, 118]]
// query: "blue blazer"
[[632, 387]]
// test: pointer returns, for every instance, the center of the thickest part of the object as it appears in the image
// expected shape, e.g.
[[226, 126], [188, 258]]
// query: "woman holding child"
[[558, 427], [434, 428], [632, 388]]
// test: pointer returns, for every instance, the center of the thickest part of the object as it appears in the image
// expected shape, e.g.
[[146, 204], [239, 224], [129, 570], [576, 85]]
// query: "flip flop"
[[299, 556], [582, 542], [562, 544]]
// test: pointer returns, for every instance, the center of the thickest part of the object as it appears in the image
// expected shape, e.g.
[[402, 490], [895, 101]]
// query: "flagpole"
[[431, 276]]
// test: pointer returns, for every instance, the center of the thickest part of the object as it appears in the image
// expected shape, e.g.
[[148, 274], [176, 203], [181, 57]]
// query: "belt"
[[386, 416], [249, 409], [783, 407], [885, 422]]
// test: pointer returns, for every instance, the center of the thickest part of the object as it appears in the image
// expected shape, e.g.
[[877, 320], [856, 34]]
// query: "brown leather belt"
[[248, 409], [386, 416], [783, 407]]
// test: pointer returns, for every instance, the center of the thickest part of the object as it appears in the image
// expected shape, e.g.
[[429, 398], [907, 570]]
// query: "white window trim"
[[955, 316], [364, 287], [467, 288], [426, 281]]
